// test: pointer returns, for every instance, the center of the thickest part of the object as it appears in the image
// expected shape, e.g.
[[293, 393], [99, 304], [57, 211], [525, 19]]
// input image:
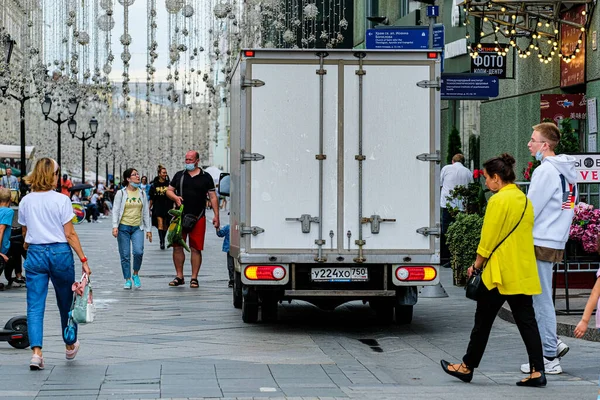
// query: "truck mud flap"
[[407, 295]]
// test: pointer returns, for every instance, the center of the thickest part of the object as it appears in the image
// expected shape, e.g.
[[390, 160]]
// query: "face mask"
[[190, 167], [539, 156], [135, 185]]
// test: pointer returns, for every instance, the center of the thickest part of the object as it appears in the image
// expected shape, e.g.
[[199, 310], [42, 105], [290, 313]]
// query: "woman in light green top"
[[131, 217]]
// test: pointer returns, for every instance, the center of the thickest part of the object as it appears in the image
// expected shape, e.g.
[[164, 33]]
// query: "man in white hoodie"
[[552, 192]]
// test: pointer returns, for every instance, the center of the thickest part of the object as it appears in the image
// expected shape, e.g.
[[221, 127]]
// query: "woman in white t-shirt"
[[49, 237]]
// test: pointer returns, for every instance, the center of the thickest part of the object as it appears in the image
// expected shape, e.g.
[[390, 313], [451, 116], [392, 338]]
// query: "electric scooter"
[[15, 332]]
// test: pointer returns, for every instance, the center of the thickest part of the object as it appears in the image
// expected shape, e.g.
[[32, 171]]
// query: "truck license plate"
[[339, 274]]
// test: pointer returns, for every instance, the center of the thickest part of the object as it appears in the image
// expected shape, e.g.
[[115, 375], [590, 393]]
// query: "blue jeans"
[[48, 262], [135, 236]]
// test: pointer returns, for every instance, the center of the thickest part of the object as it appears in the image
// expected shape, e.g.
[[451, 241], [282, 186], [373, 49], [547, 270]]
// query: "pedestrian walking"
[[65, 185], [553, 192], [505, 253], [160, 204], [190, 188], [224, 233], [130, 219], [451, 176], [45, 216], [6, 217]]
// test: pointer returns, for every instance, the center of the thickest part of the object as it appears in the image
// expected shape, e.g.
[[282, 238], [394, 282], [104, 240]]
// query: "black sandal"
[[194, 283], [177, 281]]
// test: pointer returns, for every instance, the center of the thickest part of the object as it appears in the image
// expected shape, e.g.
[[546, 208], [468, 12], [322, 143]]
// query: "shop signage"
[[588, 167], [560, 106], [488, 61], [572, 73]]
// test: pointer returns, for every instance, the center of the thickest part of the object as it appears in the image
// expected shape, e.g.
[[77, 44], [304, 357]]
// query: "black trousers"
[[524, 315], [446, 221], [230, 266]]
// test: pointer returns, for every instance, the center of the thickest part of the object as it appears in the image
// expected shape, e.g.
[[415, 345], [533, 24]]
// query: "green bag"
[[83, 310]]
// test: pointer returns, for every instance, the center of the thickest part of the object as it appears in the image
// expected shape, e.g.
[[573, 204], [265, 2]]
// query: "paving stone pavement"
[[165, 342]]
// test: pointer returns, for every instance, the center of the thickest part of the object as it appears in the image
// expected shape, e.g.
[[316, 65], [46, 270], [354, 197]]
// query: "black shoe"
[[540, 381], [463, 377], [230, 284], [18, 282], [162, 246]]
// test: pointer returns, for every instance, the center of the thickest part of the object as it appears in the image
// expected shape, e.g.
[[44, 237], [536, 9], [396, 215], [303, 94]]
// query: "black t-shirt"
[[195, 190]]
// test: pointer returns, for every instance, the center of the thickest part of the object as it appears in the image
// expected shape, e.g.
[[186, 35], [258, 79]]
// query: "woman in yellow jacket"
[[510, 272]]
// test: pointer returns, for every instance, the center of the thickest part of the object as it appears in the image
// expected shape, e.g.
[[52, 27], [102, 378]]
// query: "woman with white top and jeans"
[[49, 237], [130, 218]]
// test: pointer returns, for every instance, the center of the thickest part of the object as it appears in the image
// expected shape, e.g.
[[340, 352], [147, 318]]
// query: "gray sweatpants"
[[545, 315]]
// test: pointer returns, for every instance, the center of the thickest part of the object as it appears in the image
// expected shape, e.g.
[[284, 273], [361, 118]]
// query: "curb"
[[562, 329]]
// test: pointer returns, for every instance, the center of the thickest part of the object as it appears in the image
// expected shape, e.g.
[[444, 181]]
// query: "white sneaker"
[[561, 349], [551, 367]]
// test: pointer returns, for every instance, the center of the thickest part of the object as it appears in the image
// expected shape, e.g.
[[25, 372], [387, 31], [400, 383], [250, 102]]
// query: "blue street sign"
[[433, 11], [404, 38], [469, 87]]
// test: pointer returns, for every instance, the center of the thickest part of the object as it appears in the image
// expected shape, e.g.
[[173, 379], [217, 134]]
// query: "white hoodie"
[[552, 209]]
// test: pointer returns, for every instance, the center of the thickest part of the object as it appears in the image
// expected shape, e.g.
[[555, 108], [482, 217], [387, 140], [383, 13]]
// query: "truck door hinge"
[[245, 157], [376, 221], [426, 231], [305, 221], [251, 230], [433, 157], [436, 84], [252, 83]]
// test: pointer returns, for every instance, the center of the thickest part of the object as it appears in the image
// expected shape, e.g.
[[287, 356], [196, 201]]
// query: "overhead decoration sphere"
[[126, 56], [107, 69], [106, 4], [83, 38], [288, 36], [106, 22], [173, 6], [126, 2], [125, 39], [188, 11], [344, 23], [311, 11], [221, 10]]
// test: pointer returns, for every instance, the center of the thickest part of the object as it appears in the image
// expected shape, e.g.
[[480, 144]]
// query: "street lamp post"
[[84, 137], [21, 99], [72, 108], [98, 147]]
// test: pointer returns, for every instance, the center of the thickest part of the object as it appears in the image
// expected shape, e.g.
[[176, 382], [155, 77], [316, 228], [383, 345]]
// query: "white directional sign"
[[588, 167]]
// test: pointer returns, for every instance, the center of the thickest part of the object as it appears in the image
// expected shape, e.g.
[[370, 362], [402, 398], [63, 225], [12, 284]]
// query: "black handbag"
[[188, 221], [475, 287]]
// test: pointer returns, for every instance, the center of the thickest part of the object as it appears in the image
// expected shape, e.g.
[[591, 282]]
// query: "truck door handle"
[[376, 221]]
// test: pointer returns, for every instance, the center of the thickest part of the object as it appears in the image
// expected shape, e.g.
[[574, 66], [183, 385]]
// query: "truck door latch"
[[436, 84], [426, 231], [253, 83], [433, 157], [376, 221], [245, 157], [305, 220], [251, 230]]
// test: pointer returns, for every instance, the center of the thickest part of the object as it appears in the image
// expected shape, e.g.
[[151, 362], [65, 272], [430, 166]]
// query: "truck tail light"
[[416, 273], [432, 55], [249, 53], [264, 272]]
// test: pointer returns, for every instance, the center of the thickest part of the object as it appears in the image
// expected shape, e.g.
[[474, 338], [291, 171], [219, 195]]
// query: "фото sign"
[[588, 167], [560, 106], [488, 61]]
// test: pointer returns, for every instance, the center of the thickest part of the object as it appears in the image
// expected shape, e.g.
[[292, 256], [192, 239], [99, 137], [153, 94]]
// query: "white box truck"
[[334, 179]]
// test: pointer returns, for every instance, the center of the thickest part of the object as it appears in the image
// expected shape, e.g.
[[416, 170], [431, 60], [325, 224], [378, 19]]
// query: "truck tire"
[[269, 310], [249, 305], [404, 314], [237, 290]]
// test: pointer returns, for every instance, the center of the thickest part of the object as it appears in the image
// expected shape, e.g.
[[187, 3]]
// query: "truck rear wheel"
[[404, 314], [249, 305], [237, 290]]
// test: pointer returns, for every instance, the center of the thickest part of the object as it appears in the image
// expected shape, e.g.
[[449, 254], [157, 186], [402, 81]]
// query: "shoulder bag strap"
[[181, 183], [509, 233]]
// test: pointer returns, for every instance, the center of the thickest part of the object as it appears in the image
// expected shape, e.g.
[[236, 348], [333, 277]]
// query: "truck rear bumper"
[[339, 293]]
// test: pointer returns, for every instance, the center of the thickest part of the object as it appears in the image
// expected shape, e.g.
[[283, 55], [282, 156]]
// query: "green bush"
[[569, 139], [454, 145], [462, 239]]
